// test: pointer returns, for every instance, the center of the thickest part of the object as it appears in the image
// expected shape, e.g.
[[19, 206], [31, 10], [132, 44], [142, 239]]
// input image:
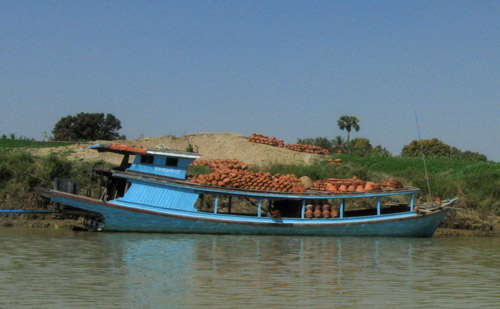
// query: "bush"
[[55, 167]]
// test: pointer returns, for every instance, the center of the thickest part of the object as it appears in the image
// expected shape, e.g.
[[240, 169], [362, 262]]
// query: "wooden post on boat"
[[216, 202], [378, 205], [259, 208], [341, 214], [303, 209]]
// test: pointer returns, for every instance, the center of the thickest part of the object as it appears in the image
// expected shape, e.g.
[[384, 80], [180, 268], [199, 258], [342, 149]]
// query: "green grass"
[[18, 143]]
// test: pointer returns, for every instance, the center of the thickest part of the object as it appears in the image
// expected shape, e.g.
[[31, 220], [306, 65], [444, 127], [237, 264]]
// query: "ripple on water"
[[44, 268]]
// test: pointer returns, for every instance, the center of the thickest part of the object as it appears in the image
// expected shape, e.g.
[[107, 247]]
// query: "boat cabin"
[[169, 163]]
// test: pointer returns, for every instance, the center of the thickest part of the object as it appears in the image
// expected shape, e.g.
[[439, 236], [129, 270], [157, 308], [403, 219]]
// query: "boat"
[[150, 192]]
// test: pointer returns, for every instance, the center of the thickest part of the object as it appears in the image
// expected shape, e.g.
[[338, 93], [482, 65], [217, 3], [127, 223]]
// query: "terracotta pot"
[[317, 213], [331, 188], [326, 207], [334, 213], [343, 188], [326, 214], [309, 214], [309, 207], [369, 186]]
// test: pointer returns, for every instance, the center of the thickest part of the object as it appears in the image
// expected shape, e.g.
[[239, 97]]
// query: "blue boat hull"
[[143, 218]]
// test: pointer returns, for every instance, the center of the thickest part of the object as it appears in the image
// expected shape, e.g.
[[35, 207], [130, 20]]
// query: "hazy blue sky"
[[288, 69]]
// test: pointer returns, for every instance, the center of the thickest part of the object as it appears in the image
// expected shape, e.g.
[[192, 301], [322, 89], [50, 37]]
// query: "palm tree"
[[347, 123]]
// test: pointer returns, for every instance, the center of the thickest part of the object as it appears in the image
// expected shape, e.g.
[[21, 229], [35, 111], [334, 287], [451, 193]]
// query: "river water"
[[43, 268]]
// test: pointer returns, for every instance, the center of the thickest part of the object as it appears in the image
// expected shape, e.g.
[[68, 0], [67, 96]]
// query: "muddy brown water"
[[43, 268]]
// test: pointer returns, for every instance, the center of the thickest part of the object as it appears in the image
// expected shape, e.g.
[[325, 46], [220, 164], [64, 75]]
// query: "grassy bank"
[[6, 143], [21, 174]]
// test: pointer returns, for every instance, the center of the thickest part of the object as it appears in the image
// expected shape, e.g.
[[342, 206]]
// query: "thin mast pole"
[[423, 159]]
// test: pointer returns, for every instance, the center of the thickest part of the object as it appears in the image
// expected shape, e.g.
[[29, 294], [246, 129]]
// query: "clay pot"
[[369, 186], [326, 214], [331, 188], [317, 213], [309, 213], [360, 188], [351, 188], [343, 188], [326, 207], [334, 213], [309, 207]]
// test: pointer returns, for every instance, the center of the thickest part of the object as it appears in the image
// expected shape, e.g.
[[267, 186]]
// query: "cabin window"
[[172, 162], [145, 159]]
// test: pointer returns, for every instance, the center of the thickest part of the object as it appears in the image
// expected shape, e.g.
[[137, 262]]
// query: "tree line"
[[360, 146], [97, 126]]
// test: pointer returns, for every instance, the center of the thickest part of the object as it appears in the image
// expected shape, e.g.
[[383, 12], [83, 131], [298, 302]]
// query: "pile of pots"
[[308, 149], [273, 141], [335, 185], [218, 164], [235, 174], [335, 161], [321, 209], [262, 139], [231, 173]]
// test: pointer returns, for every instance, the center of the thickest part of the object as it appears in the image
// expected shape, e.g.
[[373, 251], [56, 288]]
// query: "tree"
[[435, 148], [361, 146], [87, 126], [348, 123], [338, 143]]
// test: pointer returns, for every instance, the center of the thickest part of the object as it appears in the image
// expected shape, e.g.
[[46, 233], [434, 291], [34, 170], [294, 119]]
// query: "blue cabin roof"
[[162, 162]]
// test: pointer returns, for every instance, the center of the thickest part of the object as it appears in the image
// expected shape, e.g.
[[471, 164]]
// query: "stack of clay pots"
[[243, 179], [335, 161], [262, 139], [235, 174], [321, 209], [273, 141], [217, 164], [308, 149], [335, 185]]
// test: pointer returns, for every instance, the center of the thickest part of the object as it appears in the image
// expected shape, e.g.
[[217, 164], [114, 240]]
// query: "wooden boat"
[[151, 194]]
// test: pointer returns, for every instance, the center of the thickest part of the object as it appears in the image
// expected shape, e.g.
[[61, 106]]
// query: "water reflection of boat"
[[152, 195]]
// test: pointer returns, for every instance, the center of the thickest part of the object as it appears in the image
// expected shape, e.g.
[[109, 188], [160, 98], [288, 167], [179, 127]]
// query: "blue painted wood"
[[378, 205], [19, 211], [259, 209], [159, 168], [412, 203], [302, 212], [154, 194]]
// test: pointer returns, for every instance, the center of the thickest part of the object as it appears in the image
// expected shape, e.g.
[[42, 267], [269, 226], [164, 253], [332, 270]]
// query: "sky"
[[288, 69]]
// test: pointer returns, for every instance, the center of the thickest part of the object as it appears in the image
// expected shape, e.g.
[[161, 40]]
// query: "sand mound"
[[208, 145]]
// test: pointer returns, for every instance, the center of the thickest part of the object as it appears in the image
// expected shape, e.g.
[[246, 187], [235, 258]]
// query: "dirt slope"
[[208, 145]]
